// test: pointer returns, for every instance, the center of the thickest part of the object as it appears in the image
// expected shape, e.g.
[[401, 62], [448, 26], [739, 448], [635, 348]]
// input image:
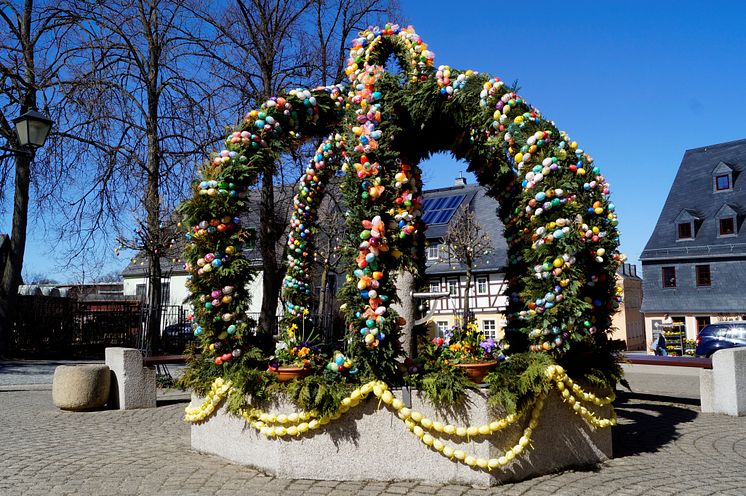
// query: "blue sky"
[[635, 83]]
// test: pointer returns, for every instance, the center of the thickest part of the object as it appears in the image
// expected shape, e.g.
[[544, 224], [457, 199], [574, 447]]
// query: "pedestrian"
[[658, 346]]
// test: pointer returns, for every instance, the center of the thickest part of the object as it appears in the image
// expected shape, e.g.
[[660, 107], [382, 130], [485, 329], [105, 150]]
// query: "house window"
[[453, 287], [140, 290], [432, 251], [685, 230], [702, 322], [669, 277], [481, 285], [165, 293], [442, 327], [727, 226], [703, 275], [489, 328], [434, 286], [722, 182]]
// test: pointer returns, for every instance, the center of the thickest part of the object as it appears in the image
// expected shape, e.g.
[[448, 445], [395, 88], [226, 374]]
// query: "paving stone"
[[136, 452]]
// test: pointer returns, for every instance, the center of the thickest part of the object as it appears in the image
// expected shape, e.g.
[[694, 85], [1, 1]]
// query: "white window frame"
[[435, 286], [485, 282], [489, 328], [433, 251], [453, 284], [442, 326]]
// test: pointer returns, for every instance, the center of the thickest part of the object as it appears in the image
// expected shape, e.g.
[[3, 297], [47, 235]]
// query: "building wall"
[[178, 290], [629, 322], [487, 306], [724, 295]]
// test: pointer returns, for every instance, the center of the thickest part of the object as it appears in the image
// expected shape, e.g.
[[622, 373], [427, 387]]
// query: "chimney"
[[460, 181]]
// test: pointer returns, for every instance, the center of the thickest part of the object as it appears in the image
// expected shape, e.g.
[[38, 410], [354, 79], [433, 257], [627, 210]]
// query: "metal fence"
[[62, 327], [54, 327]]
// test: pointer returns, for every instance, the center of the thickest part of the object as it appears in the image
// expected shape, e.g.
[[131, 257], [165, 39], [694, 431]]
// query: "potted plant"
[[295, 356], [466, 348]]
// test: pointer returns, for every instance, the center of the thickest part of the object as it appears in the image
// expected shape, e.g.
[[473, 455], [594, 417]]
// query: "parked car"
[[176, 336], [721, 336]]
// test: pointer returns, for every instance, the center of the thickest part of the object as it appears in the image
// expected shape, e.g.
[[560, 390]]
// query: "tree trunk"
[[271, 276], [153, 207], [14, 265], [154, 305], [405, 286], [322, 313], [466, 295]]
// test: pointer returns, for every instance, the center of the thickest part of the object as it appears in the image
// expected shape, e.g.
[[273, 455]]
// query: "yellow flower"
[[455, 347]]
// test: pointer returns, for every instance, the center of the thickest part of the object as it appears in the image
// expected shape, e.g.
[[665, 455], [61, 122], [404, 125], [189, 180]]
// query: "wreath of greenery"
[[554, 203]]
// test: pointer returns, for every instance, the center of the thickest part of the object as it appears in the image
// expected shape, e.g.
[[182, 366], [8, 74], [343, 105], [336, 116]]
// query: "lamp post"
[[32, 129]]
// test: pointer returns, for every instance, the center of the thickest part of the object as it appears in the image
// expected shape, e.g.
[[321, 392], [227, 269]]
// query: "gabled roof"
[[722, 168], [687, 215], [485, 209], [474, 195], [728, 210], [693, 192]]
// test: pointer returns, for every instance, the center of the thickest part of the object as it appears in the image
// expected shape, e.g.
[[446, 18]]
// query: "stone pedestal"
[[723, 389], [80, 387], [372, 443], [133, 386]]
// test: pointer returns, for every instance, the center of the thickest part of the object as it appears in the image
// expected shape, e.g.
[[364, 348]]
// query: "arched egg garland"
[[559, 224]]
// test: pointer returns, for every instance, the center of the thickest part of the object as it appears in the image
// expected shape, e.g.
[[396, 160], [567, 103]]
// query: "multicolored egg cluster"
[[215, 247], [560, 226], [303, 223]]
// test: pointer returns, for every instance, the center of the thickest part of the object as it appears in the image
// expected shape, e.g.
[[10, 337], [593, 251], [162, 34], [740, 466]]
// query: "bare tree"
[[328, 255], [144, 109], [32, 58], [335, 21], [264, 47], [466, 242]]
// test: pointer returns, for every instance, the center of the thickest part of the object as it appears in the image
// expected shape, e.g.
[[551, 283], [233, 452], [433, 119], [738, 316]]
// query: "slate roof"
[[474, 196], [485, 209], [692, 197]]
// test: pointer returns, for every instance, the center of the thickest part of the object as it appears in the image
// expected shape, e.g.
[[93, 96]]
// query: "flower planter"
[[285, 374], [371, 443], [476, 372]]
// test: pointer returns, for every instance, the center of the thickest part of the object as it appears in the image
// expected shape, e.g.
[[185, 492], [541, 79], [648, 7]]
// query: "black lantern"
[[32, 129]]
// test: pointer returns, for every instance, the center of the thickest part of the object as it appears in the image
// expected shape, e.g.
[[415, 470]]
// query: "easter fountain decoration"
[[378, 126]]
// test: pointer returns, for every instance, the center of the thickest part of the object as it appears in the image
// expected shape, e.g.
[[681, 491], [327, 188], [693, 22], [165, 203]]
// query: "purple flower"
[[488, 345]]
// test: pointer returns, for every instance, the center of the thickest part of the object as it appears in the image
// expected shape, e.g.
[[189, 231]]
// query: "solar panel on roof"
[[441, 210]]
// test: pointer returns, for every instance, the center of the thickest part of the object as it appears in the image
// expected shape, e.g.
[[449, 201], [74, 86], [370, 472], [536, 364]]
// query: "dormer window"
[[727, 219], [722, 183], [685, 230], [687, 223], [727, 226], [722, 178]]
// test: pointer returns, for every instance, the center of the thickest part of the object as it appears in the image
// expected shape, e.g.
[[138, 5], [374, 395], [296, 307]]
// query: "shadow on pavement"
[[648, 422]]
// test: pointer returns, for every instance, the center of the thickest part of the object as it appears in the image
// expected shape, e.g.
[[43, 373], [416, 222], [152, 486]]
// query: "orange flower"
[[455, 347]]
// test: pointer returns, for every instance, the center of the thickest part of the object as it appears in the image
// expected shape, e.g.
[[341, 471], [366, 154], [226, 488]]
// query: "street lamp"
[[32, 129]]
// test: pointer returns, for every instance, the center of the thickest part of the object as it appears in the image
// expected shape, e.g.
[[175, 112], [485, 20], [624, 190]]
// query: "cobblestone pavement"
[[660, 448], [25, 372]]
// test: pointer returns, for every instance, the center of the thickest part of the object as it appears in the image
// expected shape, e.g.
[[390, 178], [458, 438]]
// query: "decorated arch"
[[374, 130], [554, 202]]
